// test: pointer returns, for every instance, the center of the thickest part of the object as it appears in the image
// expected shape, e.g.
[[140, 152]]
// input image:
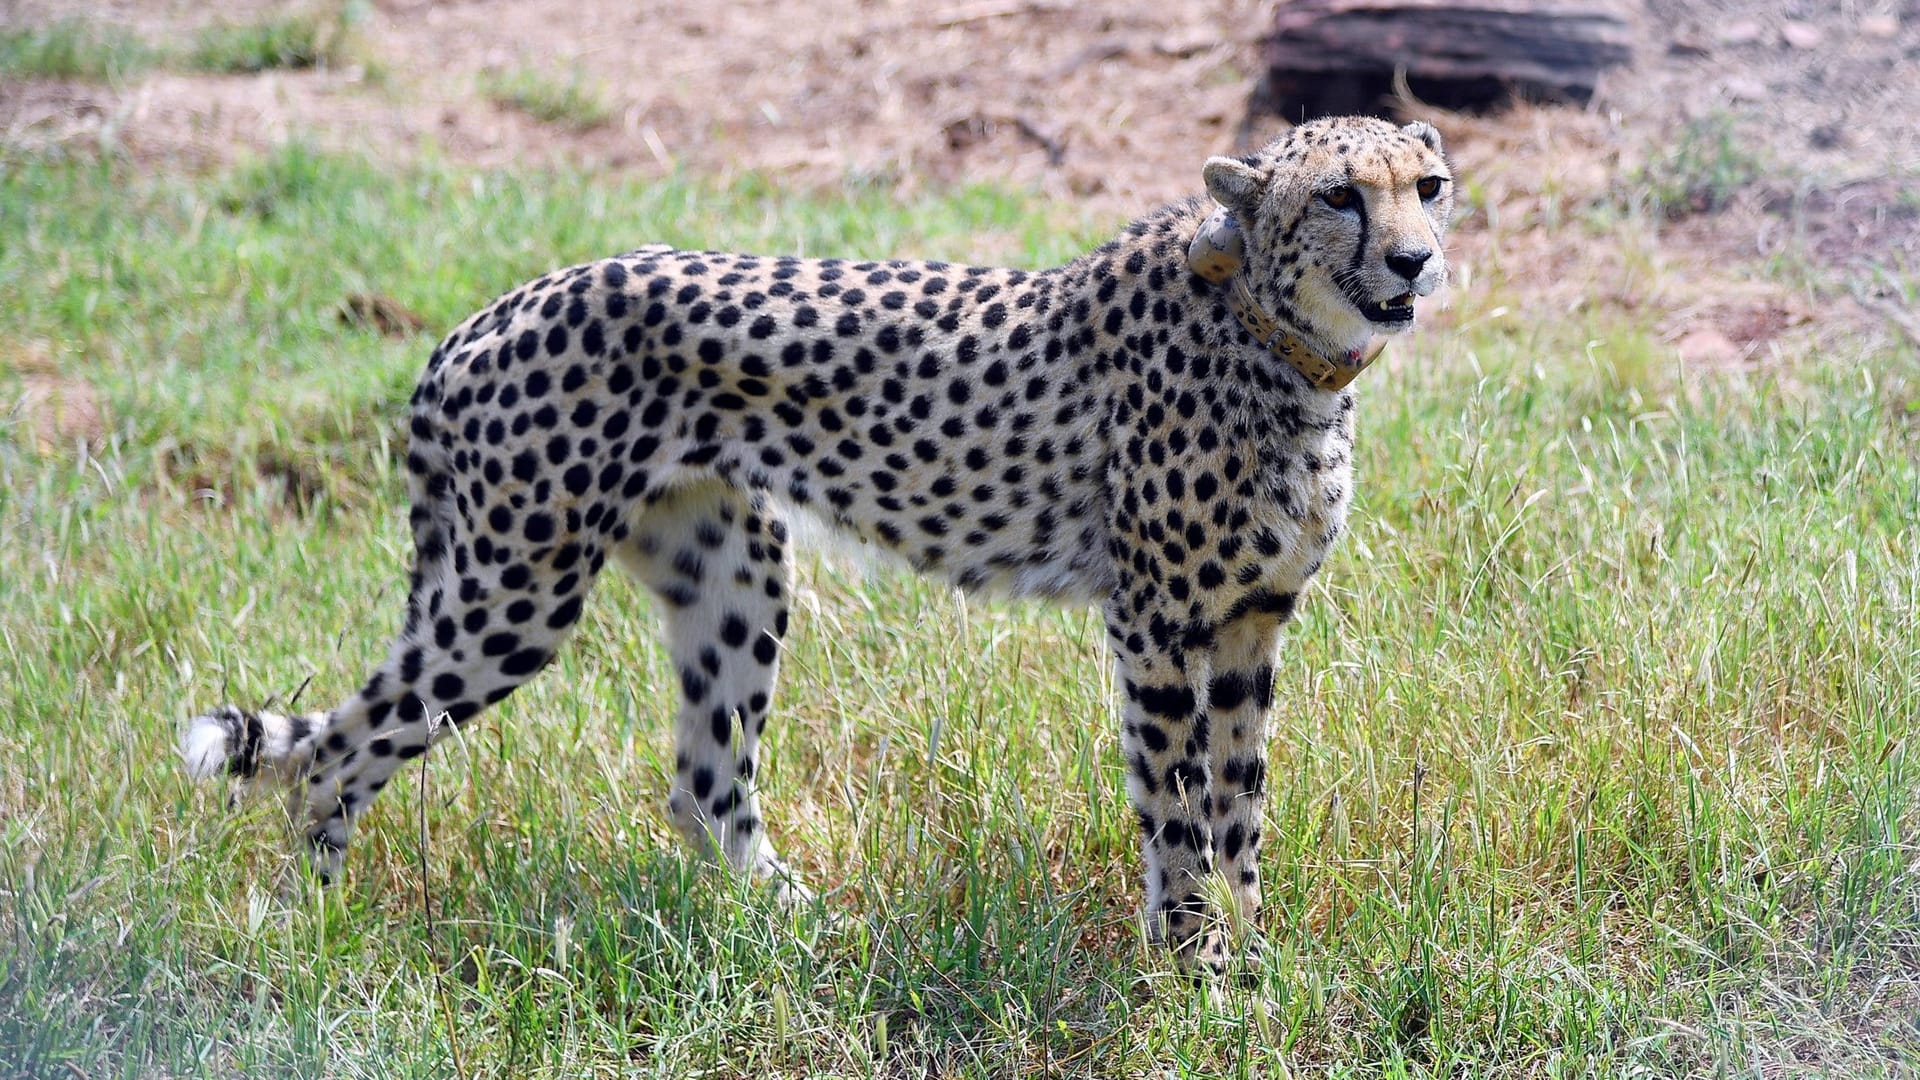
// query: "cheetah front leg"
[[1239, 701], [1164, 735]]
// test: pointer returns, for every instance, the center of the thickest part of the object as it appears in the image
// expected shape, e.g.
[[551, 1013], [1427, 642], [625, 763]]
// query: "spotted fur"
[[1100, 433]]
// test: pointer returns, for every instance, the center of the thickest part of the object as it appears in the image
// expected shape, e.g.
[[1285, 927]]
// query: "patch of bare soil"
[[1109, 108], [1118, 104], [1821, 153], [1821, 89], [1839, 222], [1821, 100], [58, 410]]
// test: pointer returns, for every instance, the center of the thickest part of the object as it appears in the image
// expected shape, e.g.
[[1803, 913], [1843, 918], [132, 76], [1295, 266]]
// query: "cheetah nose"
[[1408, 263]]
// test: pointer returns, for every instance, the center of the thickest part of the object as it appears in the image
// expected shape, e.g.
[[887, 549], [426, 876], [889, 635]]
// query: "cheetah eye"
[[1429, 186], [1340, 198]]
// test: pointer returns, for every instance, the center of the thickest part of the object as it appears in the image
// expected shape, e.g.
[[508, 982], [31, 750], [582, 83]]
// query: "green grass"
[[574, 103], [75, 49], [293, 40], [1591, 758], [1699, 170]]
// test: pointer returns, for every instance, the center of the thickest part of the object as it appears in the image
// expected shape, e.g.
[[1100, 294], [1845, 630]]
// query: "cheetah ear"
[[1234, 183], [1425, 132]]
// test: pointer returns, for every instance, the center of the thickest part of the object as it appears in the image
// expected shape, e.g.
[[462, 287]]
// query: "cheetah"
[[1161, 427]]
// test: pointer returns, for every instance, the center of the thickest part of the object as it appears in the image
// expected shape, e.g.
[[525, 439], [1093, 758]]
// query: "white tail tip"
[[203, 743]]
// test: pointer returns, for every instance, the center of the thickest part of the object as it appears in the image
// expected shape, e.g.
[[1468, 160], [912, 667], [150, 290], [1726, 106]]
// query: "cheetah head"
[[1343, 220]]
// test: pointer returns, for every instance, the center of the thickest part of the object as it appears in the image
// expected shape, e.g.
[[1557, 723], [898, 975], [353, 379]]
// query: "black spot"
[[524, 662], [566, 614], [448, 686], [1229, 690], [693, 685], [1174, 702], [1236, 837]]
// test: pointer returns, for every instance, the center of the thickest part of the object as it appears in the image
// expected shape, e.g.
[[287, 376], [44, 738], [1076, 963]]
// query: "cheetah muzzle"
[[1107, 432]]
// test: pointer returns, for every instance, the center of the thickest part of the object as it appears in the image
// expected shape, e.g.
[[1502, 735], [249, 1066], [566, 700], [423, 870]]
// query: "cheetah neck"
[[1217, 253], [1323, 372]]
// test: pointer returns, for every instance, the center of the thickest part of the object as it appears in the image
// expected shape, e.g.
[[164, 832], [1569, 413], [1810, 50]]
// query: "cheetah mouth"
[[1394, 310]]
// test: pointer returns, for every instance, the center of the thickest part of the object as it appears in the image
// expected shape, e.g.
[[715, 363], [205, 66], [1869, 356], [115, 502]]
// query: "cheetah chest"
[[1302, 491]]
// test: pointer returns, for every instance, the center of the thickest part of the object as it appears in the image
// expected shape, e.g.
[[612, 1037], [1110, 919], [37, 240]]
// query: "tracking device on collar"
[[1217, 249]]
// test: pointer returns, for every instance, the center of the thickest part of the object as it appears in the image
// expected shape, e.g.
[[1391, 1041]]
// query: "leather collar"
[[1316, 369]]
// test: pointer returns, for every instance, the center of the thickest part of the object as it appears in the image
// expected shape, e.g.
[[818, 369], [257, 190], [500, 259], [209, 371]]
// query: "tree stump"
[[1329, 57]]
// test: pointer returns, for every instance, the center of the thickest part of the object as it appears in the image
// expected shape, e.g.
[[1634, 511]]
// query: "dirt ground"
[[1108, 106]]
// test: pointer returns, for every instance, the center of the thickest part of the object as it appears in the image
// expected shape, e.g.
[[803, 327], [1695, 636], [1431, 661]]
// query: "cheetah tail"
[[244, 744]]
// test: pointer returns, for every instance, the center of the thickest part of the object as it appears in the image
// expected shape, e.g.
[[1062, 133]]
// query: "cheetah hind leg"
[[469, 639], [718, 560]]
